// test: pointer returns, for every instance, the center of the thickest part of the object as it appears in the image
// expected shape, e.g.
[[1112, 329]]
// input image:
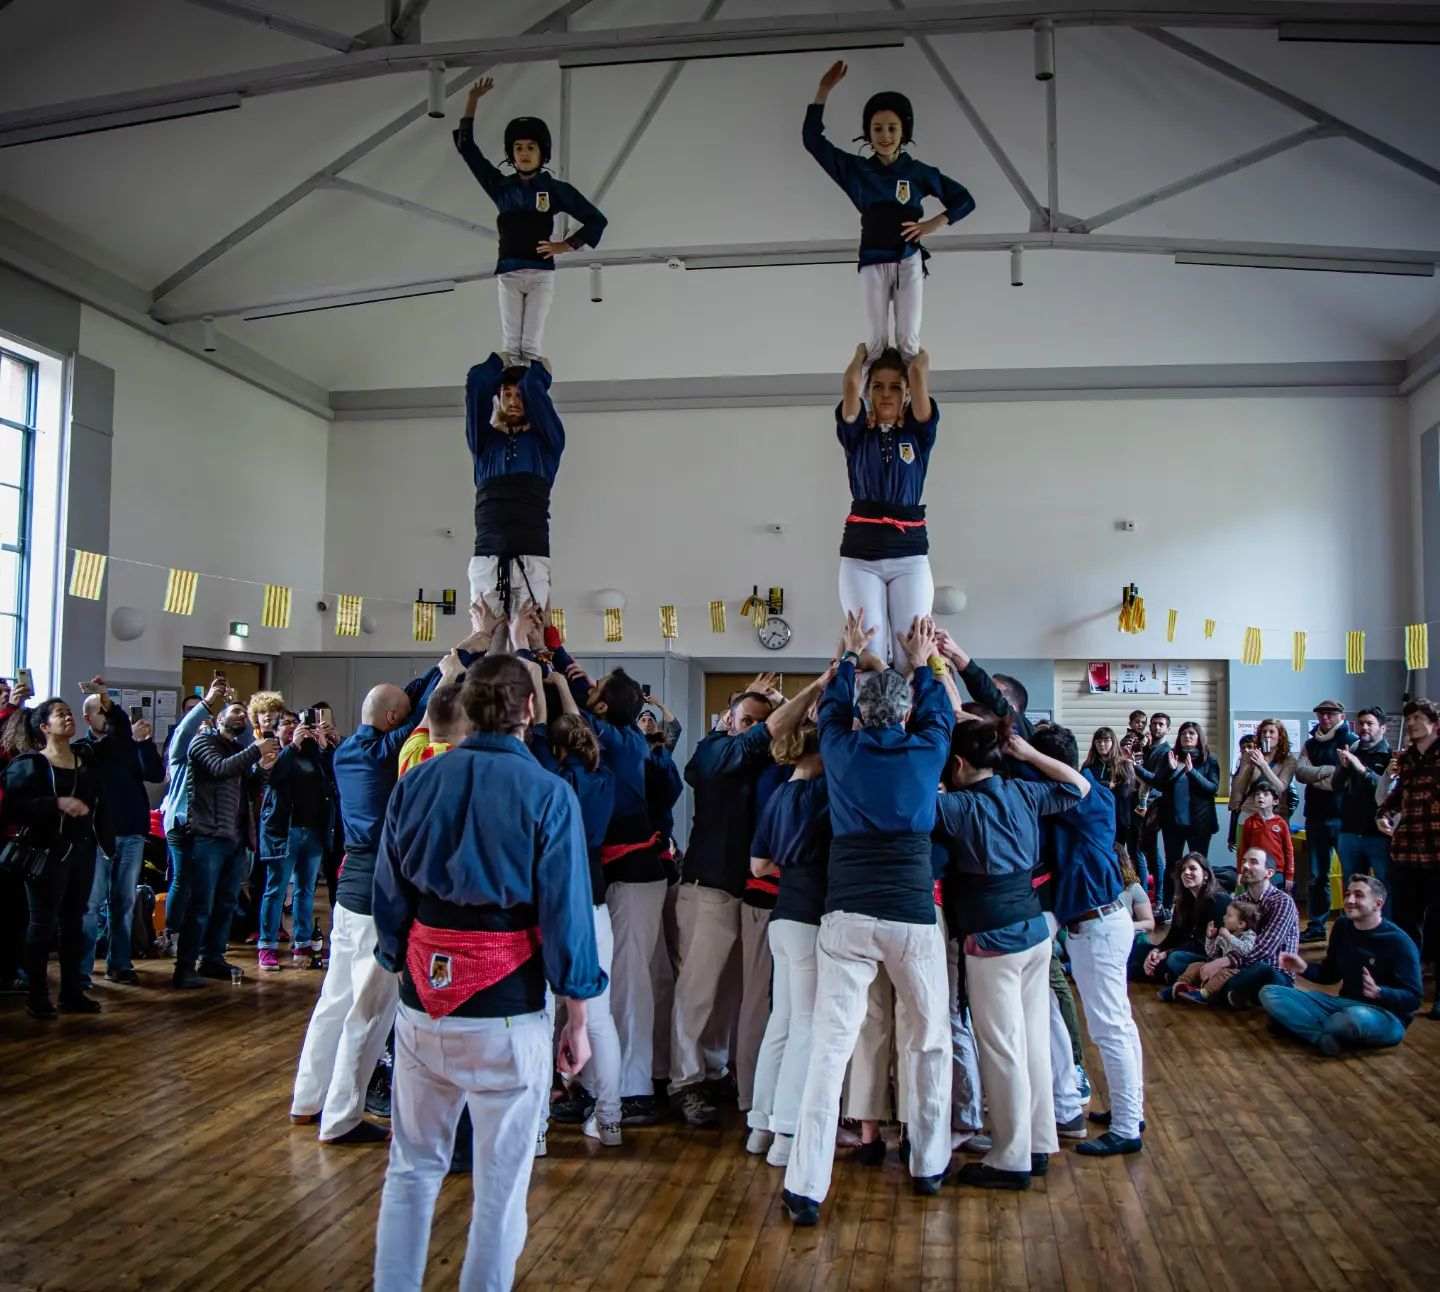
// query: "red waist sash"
[[612, 852], [448, 966], [764, 884], [901, 525]]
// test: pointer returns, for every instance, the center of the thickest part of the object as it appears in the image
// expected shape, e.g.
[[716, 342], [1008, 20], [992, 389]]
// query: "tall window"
[[17, 436]]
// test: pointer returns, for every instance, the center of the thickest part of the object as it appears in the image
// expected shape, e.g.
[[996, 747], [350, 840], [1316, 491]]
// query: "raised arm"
[[852, 385], [482, 384], [792, 713], [920, 405], [835, 163], [1051, 768], [489, 175]]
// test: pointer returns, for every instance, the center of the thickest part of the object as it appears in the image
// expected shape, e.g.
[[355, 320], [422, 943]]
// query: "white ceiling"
[[723, 163]]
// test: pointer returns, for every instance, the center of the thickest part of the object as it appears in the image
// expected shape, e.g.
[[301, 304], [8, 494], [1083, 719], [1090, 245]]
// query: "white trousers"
[[636, 912], [891, 593], [529, 580], [709, 925], [1099, 954], [899, 285], [662, 978], [756, 970], [967, 1107], [347, 1028], [1063, 1084], [1010, 1006], [500, 1068], [785, 1049], [867, 1083], [850, 949], [525, 296], [601, 1076]]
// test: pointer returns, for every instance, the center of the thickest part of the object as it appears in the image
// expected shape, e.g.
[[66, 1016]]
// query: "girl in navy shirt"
[[888, 188], [884, 554]]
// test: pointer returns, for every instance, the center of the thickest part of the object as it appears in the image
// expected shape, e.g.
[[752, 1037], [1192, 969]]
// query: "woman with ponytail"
[[991, 827]]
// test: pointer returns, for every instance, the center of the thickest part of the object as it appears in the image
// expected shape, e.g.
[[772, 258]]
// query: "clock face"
[[774, 633]]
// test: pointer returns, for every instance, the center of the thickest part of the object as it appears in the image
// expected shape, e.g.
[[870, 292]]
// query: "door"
[[720, 687], [244, 676]]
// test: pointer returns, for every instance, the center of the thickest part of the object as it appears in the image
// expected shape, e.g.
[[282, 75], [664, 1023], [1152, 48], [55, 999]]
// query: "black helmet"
[[889, 101], [527, 128]]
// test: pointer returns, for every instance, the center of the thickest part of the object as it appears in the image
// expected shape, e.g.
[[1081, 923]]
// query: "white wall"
[[1283, 512], [210, 474]]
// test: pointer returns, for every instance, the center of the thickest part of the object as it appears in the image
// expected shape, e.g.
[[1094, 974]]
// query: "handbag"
[[20, 856]]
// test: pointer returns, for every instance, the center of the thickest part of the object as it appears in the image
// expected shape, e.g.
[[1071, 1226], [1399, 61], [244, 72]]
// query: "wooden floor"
[[150, 1148]]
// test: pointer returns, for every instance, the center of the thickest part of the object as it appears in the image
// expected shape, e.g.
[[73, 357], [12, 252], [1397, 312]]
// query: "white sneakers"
[[779, 1154], [540, 1149], [608, 1133], [758, 1141]]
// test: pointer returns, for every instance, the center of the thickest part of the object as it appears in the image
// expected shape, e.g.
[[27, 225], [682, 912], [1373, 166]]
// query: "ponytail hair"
[[496, 689], [790, 748], [570, 734], [981, 743]]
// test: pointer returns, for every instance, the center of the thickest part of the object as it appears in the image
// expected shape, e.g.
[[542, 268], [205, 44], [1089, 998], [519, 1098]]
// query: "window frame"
[[28, 430]]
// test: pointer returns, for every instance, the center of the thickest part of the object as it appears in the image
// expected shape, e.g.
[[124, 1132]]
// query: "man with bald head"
[[358, 999]]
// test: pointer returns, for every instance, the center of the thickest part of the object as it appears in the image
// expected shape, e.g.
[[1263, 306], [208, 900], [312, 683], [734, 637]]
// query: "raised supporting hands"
[[919, 643]]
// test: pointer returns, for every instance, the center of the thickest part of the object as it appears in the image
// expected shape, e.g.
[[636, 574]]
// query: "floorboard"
[[149, 1149]]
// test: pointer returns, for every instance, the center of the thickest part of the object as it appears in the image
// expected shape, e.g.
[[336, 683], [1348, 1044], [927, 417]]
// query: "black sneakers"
[[638, 1110], [804, 1212]]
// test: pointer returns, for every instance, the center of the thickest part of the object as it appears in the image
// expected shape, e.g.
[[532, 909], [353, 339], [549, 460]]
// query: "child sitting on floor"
[[1237, 933]]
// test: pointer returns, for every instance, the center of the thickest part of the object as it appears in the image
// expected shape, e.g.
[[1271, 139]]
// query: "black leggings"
[[58, 899]]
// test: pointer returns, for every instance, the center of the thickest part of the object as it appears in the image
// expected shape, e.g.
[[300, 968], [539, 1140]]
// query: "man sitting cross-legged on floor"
[[1377, 967], [1235, 979]]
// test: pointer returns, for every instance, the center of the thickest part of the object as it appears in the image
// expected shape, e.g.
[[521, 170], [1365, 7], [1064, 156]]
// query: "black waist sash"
[[871, 538], [982, 903], [521, 231], [512, 516], [887, 876], [880, 225]]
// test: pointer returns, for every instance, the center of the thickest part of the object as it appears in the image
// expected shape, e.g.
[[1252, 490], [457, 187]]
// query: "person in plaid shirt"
[[1411, 788], [1235, 979]]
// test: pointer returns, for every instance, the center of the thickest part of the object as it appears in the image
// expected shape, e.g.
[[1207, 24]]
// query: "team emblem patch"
[[542, 201], [907, 452], [902, 191], [439, 971]]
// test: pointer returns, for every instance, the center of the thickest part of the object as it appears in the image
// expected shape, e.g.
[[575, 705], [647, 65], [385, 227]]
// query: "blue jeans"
[[1355, 1024], [1321, 839], [209, 886], [1246, 985], [304, 852], [1365, 852], [1178, 961], [178, 843], [114, 886]]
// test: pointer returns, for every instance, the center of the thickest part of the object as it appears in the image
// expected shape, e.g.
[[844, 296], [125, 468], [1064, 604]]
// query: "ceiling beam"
[[364, 148], [406, 204], [260, 16], [977, 123], [1218, 171], [647, 114], [744, 255], [1293, 101], [736, 37]]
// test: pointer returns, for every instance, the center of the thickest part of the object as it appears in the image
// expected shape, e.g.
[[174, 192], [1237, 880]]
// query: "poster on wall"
[[1139, 679], [165, 706], [1099, 678], [1247, 727], [1177, 679]]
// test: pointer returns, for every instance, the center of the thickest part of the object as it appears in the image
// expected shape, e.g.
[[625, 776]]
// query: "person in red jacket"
[[1269, 831]]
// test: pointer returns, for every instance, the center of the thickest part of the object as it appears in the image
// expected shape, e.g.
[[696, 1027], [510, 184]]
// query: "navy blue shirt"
[[663, 788], [794, 833], [527, 205], [486, 828], [367, 764], [882, 779], [723, 771], [595, 792], [533, 451], [895, 191], [1080, 845], [1390, 955], [887, 464]]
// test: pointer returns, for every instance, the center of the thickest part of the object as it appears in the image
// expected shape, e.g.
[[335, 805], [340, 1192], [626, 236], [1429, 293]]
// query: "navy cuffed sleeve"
[[592, 222], [489, 176], [563, 900]]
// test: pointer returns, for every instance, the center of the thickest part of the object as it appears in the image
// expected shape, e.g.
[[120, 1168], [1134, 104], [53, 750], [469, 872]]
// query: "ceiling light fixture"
[[1045, 50], [436, 94]]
